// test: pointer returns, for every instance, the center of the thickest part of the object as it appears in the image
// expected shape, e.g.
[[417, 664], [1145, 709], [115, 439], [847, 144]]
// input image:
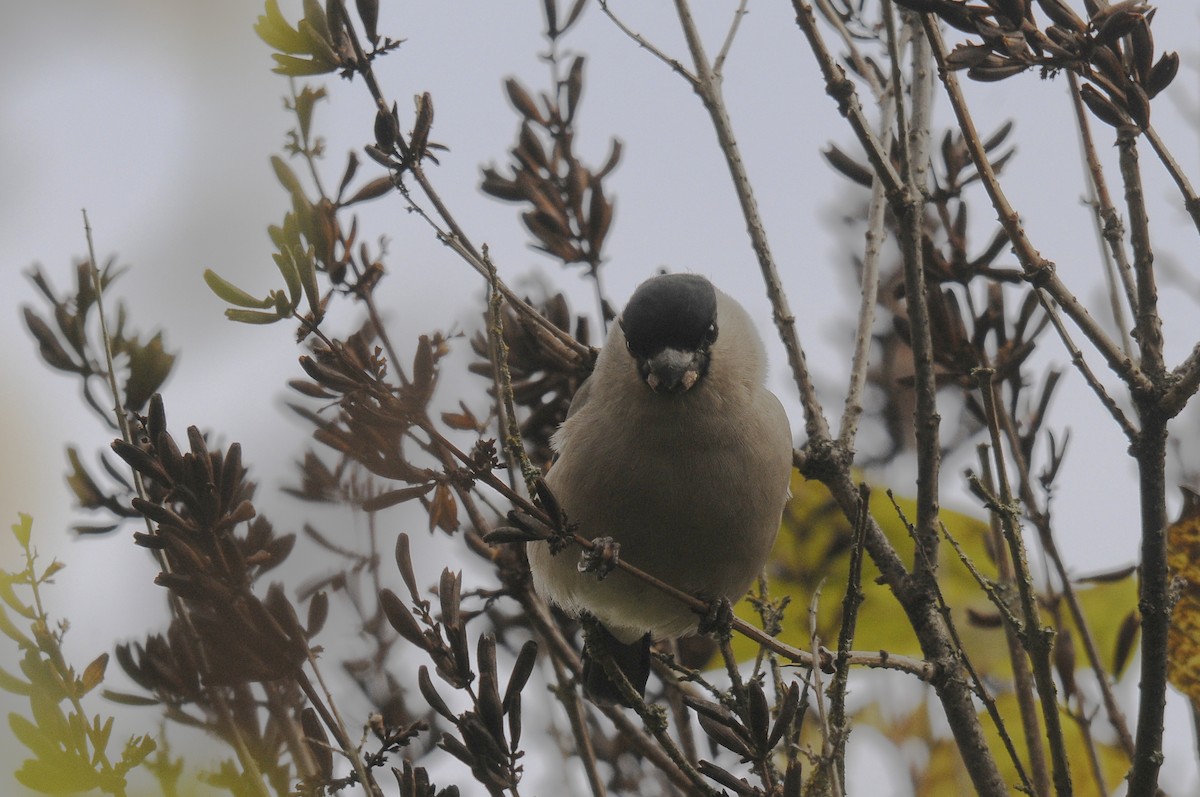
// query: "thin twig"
[[1037, 270], [676, 65], [851, 602], [245, 758], [1106, 218], [1085, 370], [723, 53], [874, 236], [1023, 686], [1036, 639], [827, 743], [913, 136], [1191, 202], [1147, 323], [708, 86]]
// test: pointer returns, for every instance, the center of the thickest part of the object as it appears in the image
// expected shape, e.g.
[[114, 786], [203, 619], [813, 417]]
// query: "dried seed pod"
[[730, 736], [964, 56], [501, 188], [992, 71], [524, 103], [1062, 14], [402, 620], [848, 167], [430, 693], [404, 564], [522, 669], [318, 613], [1162, 74], [1102, 106], [1138, 104], [600, 212], [419, 139], [368, 12], [1124, 646], [1110, 65], [787, 712], [387, 129], [393, 497], [727, 779], [1142, 41], [574, 86], [1064, 658], [1117, 21], [318, 742]]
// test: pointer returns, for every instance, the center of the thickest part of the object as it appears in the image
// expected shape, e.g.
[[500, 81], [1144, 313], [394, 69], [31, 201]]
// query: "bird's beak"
[[673, 370]]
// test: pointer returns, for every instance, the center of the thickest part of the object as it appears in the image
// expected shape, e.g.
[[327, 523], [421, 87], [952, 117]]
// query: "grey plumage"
[[675, 449]]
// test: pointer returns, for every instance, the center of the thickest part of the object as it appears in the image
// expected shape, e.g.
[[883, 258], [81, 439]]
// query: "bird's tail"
[[631, 659]]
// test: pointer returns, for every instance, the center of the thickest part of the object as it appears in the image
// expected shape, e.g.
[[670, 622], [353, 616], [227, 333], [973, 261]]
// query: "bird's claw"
[[602, 559], [718, 619]]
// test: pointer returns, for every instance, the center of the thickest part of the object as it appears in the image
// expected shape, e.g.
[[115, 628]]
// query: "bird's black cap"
[[677, 311]]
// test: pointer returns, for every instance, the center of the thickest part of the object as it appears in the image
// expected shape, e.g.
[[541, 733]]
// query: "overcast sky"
[[159, 118]]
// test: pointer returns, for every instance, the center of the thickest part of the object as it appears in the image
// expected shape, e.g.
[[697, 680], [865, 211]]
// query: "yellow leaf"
[[1183, 635]]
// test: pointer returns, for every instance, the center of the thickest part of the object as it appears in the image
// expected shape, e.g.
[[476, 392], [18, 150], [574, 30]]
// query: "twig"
[[1036, 639], [708, 86], [1023, 686], [1037, 270], [841, 89], [914, 156], [1185, 380], [1191, 202], [827, 743], [1107, 220], [981, 689], [1147, 322], [1085, 370], [254, 775], [1154, 601], [851, 602], [676, 65], [723, 53], [573, 704], [875, 235]]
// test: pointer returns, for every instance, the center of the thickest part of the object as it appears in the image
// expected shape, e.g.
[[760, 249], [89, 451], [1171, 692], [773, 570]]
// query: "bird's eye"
[[710, 334]]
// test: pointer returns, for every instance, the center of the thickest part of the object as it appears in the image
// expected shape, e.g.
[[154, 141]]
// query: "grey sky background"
[[159, 118]]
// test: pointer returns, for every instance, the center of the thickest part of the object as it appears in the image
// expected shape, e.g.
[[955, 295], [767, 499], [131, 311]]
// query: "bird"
[[675, 449]]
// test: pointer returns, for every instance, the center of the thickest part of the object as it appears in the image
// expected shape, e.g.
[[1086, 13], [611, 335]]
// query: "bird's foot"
[[602, 559], [718, 620]]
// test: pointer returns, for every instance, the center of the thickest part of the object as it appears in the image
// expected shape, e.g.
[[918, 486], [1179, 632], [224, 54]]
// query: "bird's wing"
[[580, 398]]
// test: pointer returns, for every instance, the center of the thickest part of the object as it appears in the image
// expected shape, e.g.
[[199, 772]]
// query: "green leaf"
[[50, 571], [287, 178], [101, 733], [136, 751], [13, 684], [87, 492], [231, 293], [251, 317], [291, 276], [300, 67], [22, 529], [283, 305], [305, 101], [149, 367], [277, 32], [40, 743], [306, 265], [64, 775], [13, 633], [9, 596]]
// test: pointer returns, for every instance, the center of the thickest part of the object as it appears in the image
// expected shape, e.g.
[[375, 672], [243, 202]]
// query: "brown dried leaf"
[[443, 509]]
